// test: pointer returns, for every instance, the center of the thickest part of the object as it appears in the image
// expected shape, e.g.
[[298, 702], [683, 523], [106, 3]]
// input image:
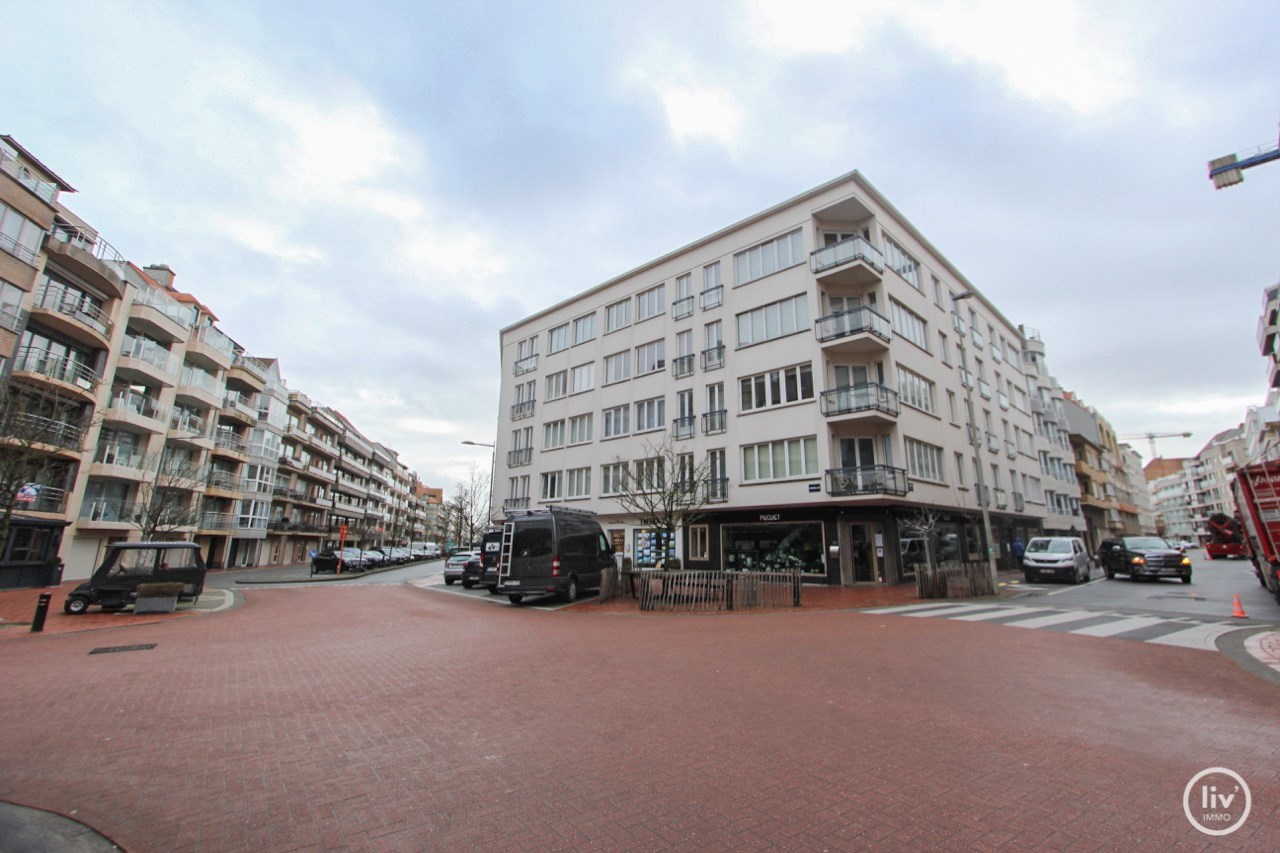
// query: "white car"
[[1063, 557], [455, 566]]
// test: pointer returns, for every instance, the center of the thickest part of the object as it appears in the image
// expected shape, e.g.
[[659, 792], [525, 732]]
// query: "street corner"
[[1264, 647], [1255, 650], [18, 608]]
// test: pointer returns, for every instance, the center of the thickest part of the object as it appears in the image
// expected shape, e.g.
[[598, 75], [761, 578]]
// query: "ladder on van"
[[504, 557]]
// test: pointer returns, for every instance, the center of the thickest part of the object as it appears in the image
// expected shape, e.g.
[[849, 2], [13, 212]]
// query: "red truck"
[[1224, 538], [1257, 493]]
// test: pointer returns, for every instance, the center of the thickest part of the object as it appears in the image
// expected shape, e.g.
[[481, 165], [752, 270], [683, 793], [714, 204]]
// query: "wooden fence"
[[705, 591], [954, 580]]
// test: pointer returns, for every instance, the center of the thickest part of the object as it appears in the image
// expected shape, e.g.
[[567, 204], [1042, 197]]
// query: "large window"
[[616, 421], [650, 414], [788, 385], [557, 385], [582, 378], [773, 320], [553, 435], [915, 390], [552, 485], [19, 236], [579, 483], [775, 547], [651, 357], [580, 429], [768, 258], [617, 367], [617, 315], [650, 302], [779, 460], [923, 460], [899, 260], [558, 338], [909, 324], [584, 329], [612, 477]]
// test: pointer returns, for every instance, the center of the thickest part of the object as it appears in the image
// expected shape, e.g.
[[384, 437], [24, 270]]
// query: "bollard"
[[42, 610]]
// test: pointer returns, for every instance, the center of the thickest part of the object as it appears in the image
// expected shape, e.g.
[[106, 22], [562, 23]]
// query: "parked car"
[[1061, 557], [432, 550], [400, 555], [114, 584], [352, 560], [1143, 557], [490, 551], [553, 551], [457, 566]]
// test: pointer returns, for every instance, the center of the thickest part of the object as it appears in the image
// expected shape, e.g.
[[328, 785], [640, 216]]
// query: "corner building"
[[815, 357]]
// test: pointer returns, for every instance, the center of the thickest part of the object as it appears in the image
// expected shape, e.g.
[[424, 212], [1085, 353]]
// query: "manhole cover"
[[106, 650]]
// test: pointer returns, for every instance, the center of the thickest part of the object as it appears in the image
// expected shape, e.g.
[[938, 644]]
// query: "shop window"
[[775, 547], [699, 542]]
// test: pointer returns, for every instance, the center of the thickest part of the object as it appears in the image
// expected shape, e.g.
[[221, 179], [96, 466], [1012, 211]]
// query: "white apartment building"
[[816, 357], [1058, 485]]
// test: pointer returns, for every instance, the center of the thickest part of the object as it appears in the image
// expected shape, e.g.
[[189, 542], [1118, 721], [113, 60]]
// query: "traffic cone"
[[1239, 612]]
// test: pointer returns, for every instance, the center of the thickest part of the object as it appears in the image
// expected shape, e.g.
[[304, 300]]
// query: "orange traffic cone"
[[1239, 613]]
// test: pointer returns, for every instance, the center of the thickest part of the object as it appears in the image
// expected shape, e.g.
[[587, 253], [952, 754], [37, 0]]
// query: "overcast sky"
[[370, 191]]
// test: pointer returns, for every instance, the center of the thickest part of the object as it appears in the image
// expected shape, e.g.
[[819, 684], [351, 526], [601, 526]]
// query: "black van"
[[554, 550], [490, 548]]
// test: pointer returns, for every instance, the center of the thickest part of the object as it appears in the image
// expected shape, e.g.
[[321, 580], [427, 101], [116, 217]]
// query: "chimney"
[[161, 273]]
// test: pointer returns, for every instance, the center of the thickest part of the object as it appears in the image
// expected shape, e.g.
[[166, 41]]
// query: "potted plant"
[[157, 597]]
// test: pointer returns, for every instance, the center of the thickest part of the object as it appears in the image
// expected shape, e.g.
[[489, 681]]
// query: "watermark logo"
[[1217, 801]]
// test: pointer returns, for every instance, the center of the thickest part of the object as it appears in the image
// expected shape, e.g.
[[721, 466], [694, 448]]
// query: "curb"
[[345, 576]]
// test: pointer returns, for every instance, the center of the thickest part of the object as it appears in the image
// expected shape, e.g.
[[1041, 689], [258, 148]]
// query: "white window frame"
[[580, 429], [651, 414], [757, 457], [617, 367], [582, 378], [773, 388], [616, 421], [650, 303], [651, 357], [558, 338], [618, 315], [769, 257], [774, 320], [584, 329]]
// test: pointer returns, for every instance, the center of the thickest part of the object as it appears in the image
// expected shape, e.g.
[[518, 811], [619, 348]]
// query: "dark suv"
[[1143, 557], [554, 550]]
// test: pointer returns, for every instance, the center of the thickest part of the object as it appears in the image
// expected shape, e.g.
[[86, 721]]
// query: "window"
[[937, 291], [923, 460], [20, 236], [617, 367], [557, 385], [558, 338], [553, 435], [699, 542], [683, 304], [960, 470], [650, 414], [580, 429], [617, 315], [943, 349], [582, 378], [897, 259], [584, 329], [611, 477], [773, 320], [778, 460], [650, 302], [909, 324], [651, 357], [648, 474], [616, 421], [552, 485], [579, 483], [712, 287], [951, 407], [768, 258], [788, 385], [915, 390]]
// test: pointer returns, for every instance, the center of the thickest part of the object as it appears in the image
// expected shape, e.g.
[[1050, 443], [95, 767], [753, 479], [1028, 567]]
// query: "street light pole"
[[493, 468], [984, 499]]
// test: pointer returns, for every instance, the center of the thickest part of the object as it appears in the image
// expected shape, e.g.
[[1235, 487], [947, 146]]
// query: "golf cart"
[[126, 565]]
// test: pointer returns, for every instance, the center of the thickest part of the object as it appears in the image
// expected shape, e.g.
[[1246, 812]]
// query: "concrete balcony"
[[57, 437], [867, 480], [136, 410], [851, 266], [211, 349], [145, 361], [160, 315], [59, 372], [866, 402], [74, 315], [861, 331], [88, 257]]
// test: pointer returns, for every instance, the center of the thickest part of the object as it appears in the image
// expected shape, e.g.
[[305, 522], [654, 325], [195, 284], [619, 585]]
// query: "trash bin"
[[55, 573]]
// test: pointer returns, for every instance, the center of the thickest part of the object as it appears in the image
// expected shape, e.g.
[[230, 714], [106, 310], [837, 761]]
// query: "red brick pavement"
[[394, 718], [18, 607]]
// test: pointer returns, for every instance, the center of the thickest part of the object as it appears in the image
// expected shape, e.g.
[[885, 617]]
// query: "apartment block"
[[129, 413], [831, 371], [1057, 486]]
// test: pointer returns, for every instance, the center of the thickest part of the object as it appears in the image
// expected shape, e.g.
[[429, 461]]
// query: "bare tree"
[[35, 426], [924, 523], [467, 513], [166, 504], [666, 490]]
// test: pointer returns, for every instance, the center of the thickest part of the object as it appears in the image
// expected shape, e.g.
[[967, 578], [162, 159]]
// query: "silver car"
[[1058, 557]]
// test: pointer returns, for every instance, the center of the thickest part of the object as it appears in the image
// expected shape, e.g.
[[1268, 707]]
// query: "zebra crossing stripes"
[[1170, 631]]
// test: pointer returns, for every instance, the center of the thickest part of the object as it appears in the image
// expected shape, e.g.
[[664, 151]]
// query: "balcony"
[[229, 441], [219, 521], [199, 387], [1002, 498], [44, 190], [226, 481], [211, 349], [138, 410], [868, 401], [109, 512], [520, 456], [682, 428], [528, 364], [984, 388], [240, 407], [716, 489], [993, 442], [185, 426], [67, 373], [713, 358], [682, 366], [714, 422], [142, 358], [851, 263], [712, 297], [520, 411], [867, 480], [860, 331], [682, 308], [120, 462], [39, 430], [515, 503], [73, 314], [160, 315], [250, 371], [88, 256]]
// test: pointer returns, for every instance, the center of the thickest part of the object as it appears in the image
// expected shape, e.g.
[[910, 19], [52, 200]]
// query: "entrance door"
[[862, 553]]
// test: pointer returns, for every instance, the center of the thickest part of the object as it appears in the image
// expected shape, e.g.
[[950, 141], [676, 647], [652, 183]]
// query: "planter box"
[[165, 604]]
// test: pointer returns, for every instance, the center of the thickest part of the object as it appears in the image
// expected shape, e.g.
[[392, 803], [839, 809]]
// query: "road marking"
[[999, 614], [1075, 587], [1052, 619], [951, 609], [1110, 628], [1197, 637]]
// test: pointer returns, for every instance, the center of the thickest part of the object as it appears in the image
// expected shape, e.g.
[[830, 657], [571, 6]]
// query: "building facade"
[[826, 367]]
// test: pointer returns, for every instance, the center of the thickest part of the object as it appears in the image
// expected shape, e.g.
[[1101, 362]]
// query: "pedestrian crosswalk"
[[1186, 632]]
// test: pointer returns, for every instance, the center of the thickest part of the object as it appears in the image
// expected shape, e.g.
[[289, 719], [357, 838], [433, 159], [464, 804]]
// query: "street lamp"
[[493, 468], [983, 499]]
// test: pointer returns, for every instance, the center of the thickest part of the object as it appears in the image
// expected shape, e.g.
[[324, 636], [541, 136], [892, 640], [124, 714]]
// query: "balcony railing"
[[993, 442], [188, 423], [109, 509], [231, 441], [683, 427], [862, 320], [849, 249], [519, 456], [200, 379], [1019, 502], [682, 308], [515, 503], [147, 352], [1010, 448], [74, 305], [154, 297], [713, 358], [681, 366], [1003, 399], [219, 521], [526, 364], [226, 480], [984, 388], [864, 397], [867, 480], [712, 297], [91, 243], [520, 411], [44, 189], [213, 338], [1002, 498], [240, 403], [248, 363], [717, 489], [19, 251], [713, 422], [39, 429], [115, 454], [57, 367], [138, 404]]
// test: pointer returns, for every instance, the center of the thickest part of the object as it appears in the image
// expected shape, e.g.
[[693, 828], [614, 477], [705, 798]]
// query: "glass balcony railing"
[[683, 427], [528, 364], [849, 249], [199, 379], [148, 352], [519, 456], [213, 338], [713, 422], [867, 480], [713, 358], [109, 509], [73, 304], [865, 397], [44, 189], [120, 455], [712, 297], [154, 297], [682, 308], [56, 367], [858, 321], [520, 411], [682, 366], [138, 404]]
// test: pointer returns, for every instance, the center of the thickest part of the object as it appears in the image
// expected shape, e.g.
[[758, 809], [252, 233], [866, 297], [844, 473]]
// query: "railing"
[[39, 429], [713, 358], [1010, 448], [1003, 399], [44, 189], [852, 248], [867, 480], [219, 521], [226, 480], [114, 454], [11, 320], [868, 396], [138, 404], [1002, 498], [147, 352], [977, 337], [19, 251], [705, 590], [713, 422], [684, 427], [154, 297], [515, 503], [682, 308], [74, 305], [1019, 502], [520, 411], [712, 297], [230, 441], [716, 489], [240, 403], [954, 580], [57, 367], [681, 366], [856, 321], [256, 366], [109, 509], [94, 245], [188, 423], [984, 388], [526, 364], [993, 442], [213, 338], [193, 378]]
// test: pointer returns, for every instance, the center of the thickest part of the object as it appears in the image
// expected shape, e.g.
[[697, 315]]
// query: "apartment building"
[[820, 360], [1060, 490], [146, 420]]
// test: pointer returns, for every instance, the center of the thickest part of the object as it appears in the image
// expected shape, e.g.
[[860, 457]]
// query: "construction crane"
[[1226, 171], [1152, 436]]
